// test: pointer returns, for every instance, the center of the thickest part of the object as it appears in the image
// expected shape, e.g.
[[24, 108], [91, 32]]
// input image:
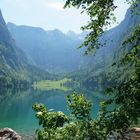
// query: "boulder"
[[9, 134], [135, 129], [133, 134]]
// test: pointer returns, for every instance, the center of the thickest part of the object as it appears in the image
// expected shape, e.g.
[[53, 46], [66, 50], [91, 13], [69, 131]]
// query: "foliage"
[[50, 121], [79, 106], [126, 91], [101, 13], [79, 126]]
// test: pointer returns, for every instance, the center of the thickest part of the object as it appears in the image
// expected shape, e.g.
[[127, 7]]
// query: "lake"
[[16, 106]]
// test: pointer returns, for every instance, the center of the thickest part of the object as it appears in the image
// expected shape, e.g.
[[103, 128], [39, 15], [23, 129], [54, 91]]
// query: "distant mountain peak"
[[11, 24], [25, 27], [71, 34], [0, 13], [5, 36], [57, 32], [2, 22]]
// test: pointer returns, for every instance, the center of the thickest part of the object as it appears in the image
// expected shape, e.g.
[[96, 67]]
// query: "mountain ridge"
[[14, 67], [57, 52], [49, 47]]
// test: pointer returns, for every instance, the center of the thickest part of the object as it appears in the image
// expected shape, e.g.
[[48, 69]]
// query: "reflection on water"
[[16, 106]]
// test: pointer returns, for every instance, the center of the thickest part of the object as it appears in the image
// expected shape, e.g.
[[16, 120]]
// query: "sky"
[[49, 14]]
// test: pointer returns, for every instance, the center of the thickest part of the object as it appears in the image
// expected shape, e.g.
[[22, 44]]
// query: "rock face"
[[9, 134]]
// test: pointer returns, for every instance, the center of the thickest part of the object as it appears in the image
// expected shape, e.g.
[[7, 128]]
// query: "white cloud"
[[57, 5]]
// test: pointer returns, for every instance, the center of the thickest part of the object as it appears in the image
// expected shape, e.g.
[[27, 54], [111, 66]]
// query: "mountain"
[[57, 52], [12, 59], [14, 66], [50, 50]]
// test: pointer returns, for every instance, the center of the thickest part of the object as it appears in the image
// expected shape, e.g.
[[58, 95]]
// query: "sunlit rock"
[[9, 134]]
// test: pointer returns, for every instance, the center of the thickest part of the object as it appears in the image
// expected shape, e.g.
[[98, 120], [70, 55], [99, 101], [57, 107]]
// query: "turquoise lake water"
[[16, 106]]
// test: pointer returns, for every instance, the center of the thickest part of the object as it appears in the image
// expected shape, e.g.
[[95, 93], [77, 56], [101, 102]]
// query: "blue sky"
[[49, 14]]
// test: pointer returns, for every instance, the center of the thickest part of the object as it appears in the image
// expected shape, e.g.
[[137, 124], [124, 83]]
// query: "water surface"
[[16, 106]]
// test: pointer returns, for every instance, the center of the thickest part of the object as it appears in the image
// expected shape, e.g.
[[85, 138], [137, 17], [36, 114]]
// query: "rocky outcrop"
[[131, 134], [9, 134]]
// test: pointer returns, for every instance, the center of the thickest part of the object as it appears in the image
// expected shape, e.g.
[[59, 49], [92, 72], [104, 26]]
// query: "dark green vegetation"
[[101, 14], [15, 69], [56, 125], [123, 77]]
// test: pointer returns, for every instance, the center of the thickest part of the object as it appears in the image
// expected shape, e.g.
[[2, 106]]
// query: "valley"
[[45, 66]]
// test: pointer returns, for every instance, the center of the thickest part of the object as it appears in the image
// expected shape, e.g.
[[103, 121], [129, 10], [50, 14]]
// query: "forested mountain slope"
[[14, 66], [12, 59]]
